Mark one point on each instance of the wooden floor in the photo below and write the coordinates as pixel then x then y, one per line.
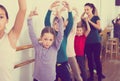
pixel 111 69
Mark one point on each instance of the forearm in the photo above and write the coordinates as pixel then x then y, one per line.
pixel 70 24
pixel 59 37
pixel 22 5
pixel 47 18
pixel 96 25
pixel 31 32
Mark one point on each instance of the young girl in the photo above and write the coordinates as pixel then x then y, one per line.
pixel 46 50
pixel 70 50
pixel 62 59
pixel 79 45
pixel 9 40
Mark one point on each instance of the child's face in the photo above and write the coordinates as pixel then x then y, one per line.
pixel 3 19
pixel 79 31
pixel 47 40
pixel 55 25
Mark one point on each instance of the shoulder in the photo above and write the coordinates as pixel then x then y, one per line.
pixel 96 17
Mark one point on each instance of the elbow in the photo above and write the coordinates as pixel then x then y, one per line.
pixel 23 10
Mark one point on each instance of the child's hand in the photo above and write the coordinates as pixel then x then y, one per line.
pixel 66 5
pixel 33 13
pixel 54 4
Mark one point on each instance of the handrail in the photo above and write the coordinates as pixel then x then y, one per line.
pixel 25 62
pixel 23 48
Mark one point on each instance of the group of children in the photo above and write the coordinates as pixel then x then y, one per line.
pixel 62 46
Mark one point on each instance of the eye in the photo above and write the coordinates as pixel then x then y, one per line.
pixel 1 17
pixel 51 39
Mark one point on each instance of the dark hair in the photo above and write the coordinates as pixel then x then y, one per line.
pixel 48 30
pixel 118 19
pixel 3 8
pixel 82 23
pixel 91 6
pixel 55 19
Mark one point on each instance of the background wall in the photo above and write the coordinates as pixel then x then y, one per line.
pixel 106 9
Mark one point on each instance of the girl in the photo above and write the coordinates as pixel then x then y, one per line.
pixel 62 59
pixel 9 40
pixel 46 50
pixel 70 50
pixel 93 45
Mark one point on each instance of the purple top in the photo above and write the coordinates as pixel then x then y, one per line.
pixel 45 59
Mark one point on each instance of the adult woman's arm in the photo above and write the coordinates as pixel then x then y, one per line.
pixel 15 31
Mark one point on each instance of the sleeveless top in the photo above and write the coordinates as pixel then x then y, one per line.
pixel 6 59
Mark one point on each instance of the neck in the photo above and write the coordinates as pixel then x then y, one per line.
pixel 1 34
pixel 90 16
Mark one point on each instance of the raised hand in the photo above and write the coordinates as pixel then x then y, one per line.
pixel 66 5
pixel 33 13
pixel 54 4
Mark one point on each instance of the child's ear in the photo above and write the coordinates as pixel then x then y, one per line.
pixel 40 41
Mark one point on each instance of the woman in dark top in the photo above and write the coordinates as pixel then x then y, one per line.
pixel 93 45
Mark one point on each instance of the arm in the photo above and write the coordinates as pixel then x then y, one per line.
pixel 88 28
pixel 75 21
pixel 47 19
pixel 70 19
pixel 48 15
pixel 96 25
pixel 15 31
pixel 70 24
pixel 59 36
pixel 32 35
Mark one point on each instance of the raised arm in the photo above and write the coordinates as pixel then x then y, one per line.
pixel 60 33
pixel 32 35
pixel 70 19
pixel 48 15
pixel 88 27
pixel 15 31
pixel 75 20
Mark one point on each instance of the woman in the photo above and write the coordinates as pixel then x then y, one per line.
pixel 9 40
pixel 93 45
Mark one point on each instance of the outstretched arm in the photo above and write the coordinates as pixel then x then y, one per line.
pixel 31 29
pixel 48 15
pixel 70 19
pixel 15 31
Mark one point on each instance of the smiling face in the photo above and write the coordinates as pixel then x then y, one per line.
pixel 88 10
pixel 79 31
pixel 47 40
pixel 3 19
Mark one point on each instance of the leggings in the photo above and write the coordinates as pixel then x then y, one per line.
pixel 93 55
pixel 35 80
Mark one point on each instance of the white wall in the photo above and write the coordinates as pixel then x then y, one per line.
pixel 106 11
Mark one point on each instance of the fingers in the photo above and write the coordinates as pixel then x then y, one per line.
pixel 65 4
pixel 33 13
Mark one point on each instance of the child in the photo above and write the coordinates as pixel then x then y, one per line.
pixel 70 50
pixel 9 40
pixel 62 59
pixel 46 50
pixel 79 45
